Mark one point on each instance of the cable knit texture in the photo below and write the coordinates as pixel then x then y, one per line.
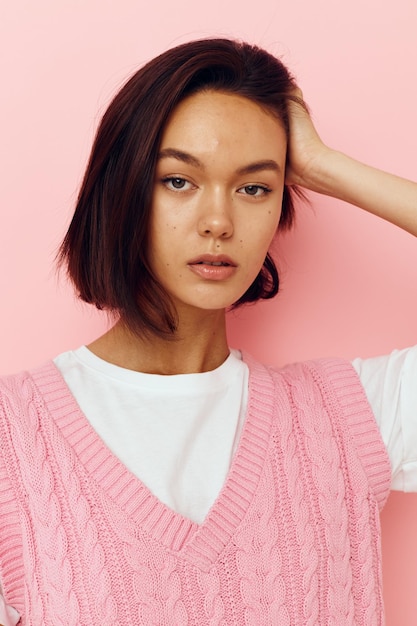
pixel 292 539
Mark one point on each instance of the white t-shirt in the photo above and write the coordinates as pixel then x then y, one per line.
pixel 178 433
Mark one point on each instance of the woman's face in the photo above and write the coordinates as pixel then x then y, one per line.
pixel 217 198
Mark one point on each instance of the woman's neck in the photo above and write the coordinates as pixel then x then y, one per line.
pixel 198 346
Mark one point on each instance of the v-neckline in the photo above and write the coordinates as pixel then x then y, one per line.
pixel 199 543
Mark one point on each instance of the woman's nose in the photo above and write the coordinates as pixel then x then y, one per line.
pixel 216 218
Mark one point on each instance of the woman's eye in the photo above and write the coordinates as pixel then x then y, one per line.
pixel 254 190
pixel 177 183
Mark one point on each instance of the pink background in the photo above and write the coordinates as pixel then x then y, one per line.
pixel 349 280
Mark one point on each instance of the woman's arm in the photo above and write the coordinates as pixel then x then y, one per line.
pixel 315 166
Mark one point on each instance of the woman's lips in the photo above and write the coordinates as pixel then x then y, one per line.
pixel 213 267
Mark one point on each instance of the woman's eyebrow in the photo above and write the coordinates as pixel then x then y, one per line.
pixel 185 157
pixel 258 166
pixel 251 168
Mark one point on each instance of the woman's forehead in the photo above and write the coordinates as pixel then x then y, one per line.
pixel 208 122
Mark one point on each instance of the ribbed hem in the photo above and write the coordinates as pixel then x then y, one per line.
pixel 361 422
pixel 12 573
pixel 243 478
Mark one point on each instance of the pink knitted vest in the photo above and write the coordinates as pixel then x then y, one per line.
pixel 293 538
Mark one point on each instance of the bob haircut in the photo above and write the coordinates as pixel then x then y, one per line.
pixel 106 246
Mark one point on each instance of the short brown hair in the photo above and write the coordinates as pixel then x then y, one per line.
pixel 105 249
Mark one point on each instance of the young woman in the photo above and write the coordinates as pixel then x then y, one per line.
pixel 157 476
